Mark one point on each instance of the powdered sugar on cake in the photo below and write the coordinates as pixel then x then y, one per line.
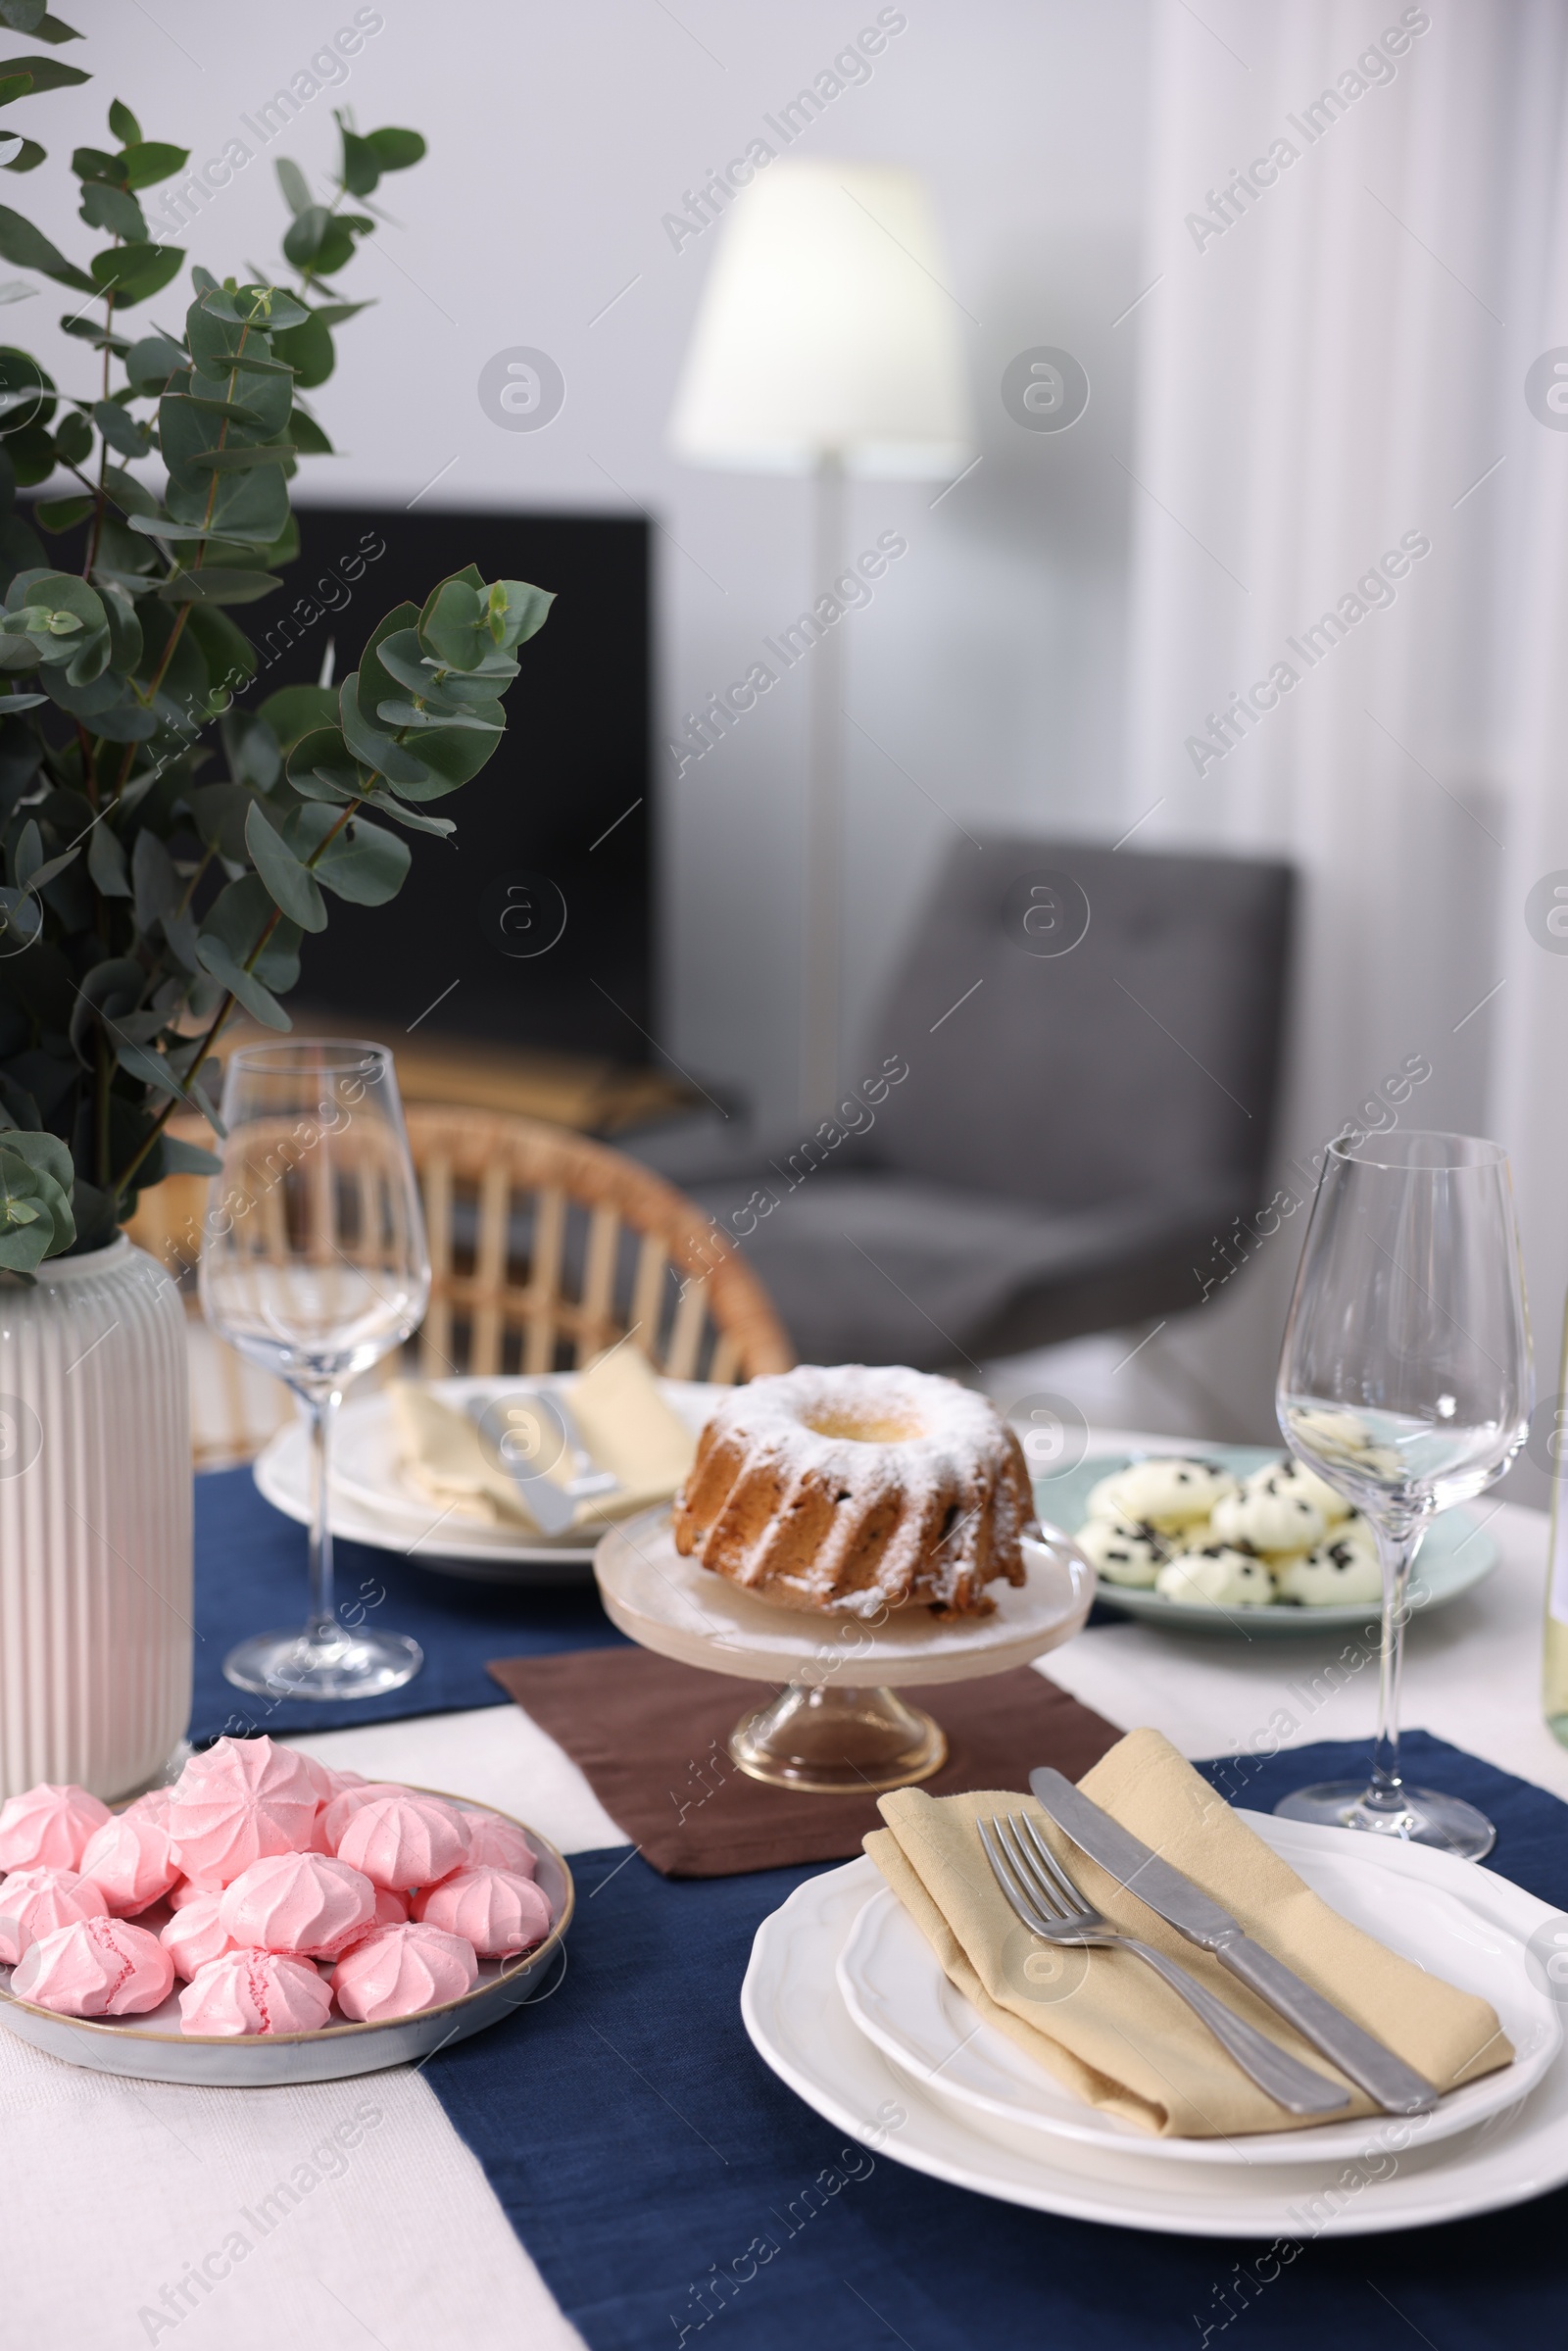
pixel 858 1488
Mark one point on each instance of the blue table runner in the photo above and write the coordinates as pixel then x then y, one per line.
pixel 252 1577
pixel 641 2150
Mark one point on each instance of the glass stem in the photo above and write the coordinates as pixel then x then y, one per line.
pixel 1396 1552
pixel 322 1628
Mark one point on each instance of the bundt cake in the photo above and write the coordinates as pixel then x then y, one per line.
pixel 857 1489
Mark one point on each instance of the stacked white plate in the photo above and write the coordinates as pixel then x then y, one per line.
pixel 844 2000
pixel 370 1500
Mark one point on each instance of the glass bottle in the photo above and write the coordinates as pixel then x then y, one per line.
pixel 1555 1645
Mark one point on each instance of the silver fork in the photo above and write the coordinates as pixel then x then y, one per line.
pixel 1043 1895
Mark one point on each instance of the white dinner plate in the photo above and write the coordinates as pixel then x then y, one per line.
pixel 1455 1554
pixel 796 2017
pixel 153 2049
pixel 370 1502
pixel 897 1994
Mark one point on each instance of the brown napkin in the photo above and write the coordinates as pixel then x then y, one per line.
pixel 1101 2023
pixel 651 1734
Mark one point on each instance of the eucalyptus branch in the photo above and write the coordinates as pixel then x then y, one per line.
pixel 140 926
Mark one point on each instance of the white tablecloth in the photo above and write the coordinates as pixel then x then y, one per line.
pixel 115 2195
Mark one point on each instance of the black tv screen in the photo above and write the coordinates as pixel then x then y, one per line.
pixel 554 832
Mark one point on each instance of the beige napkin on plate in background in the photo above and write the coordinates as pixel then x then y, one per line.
pixel 1101 2023
pixel 622 1417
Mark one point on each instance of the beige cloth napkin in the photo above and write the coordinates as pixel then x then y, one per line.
pixel 622 1417
pixel 1101 2023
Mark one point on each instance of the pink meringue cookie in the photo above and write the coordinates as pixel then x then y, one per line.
pixel 405 1840
pixel 242 1801
pixel 35 1902
pixel 154 1802
pixel 187 1890
pixel 391 1909
pixel 255 1992
pixel 95 1967
pixel 306 1905
pixel 495 1910
pixel 498 1844
pixel 131 1859
pixel 47 1825
pixel 321 1780
pixel 349 1800
pixel 401 1970
pixel 196 1935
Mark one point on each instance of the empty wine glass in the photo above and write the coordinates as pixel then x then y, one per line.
pixel 1404 1381
pixel 314 1264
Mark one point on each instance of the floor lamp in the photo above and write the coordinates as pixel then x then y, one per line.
pixel 826 344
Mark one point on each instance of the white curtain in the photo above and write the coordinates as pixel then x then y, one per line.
pixel 1530 1090
pixel 1338 477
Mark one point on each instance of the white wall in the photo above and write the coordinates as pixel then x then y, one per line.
pixel 989 665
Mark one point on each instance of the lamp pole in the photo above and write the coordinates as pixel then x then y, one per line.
pixel 821 930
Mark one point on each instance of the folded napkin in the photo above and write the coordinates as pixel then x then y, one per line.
pixel 621 1417
pixel 1101 2023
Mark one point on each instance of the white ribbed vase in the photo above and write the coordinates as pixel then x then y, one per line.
pixel 95 1522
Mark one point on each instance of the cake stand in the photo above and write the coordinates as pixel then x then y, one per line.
pixel 836 1726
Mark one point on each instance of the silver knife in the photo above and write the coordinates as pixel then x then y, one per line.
pixel 1397 2088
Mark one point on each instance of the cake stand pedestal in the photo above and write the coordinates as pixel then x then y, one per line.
pixel 836 1725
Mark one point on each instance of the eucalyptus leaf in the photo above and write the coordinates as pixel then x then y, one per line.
pixel 396 150
pixel 414 818
pixel 218 585
pixel 235 459
pixel 290 885
pixel 155 879
pixel 363 863
pixel 106 862
pixel 405 713
pixel 294 184
pixel 370 745
pixel 113 209
pixel 258 999
pixel 293 711
pixel 189 1159
pixel 121 430
pixel 132 273
pixel 148 160
pixel 61 514
pixel 309 438
pixel 151 362
pixel 308 349
pixel 29 249
pixel 44 72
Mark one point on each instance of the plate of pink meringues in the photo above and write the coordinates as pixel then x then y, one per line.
pixel 266 1920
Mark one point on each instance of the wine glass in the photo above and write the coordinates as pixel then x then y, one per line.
pixel 1404 1382
pixel 314 1264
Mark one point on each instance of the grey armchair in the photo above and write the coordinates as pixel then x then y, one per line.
pixel 1039 1143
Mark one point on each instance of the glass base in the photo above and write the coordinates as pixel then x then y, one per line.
pixel 1421 1817
pixel 831 1741
pixel 333 1664
pixel 1557 1725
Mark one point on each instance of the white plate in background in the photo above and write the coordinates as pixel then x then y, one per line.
pixel 370 1502
pixel 1456 1554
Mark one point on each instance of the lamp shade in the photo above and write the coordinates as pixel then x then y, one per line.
pixel 824 333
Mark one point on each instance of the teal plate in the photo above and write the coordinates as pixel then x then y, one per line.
pixel 1455 1554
